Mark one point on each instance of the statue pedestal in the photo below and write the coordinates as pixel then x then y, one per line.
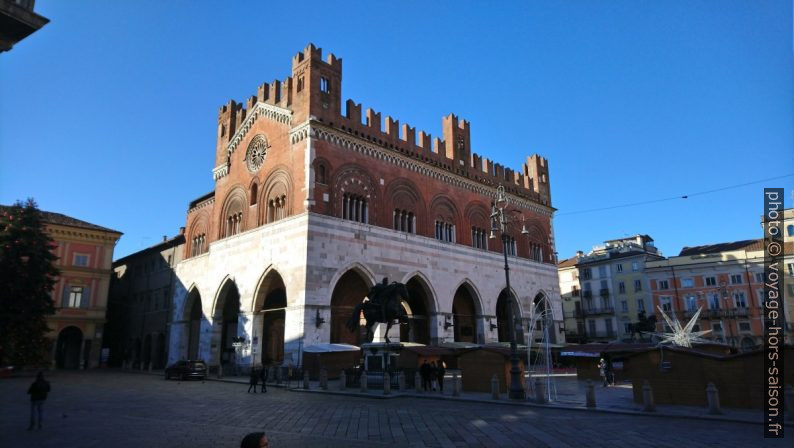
pixel 380 357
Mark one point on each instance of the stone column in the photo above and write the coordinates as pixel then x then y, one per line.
pixel 647 397
pixel 494 387
pixel 713 398
pixel 590 395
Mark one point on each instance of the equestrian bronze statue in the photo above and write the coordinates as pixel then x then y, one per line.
pixel 382 305
pixel 645 325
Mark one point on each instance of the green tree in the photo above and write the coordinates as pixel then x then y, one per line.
pixel 27 276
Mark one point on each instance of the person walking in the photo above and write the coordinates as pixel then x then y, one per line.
pixel 38 394
pixel 602 370
pixel 424 372
pixel 433 374
pixel 440 375
pixel 253 379
pixel 263 378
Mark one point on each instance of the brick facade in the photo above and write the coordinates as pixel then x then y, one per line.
pixel 311 207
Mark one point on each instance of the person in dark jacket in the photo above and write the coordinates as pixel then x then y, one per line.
pixel 263 378
pixel 441 371
pixel 424 372
pixel 255 440
pixel 38 393
pixel 253 379
pixel 433 374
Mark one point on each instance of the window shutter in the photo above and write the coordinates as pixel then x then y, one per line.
pixel 65 298
pixel 85 300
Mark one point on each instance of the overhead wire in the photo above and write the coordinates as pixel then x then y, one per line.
pixel 672 198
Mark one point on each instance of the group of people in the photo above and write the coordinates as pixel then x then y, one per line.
pixel 432 375
pixel 257 375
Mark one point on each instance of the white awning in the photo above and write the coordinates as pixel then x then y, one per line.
pixel 329 348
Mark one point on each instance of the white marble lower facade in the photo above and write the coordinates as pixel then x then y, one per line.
pixel 305 256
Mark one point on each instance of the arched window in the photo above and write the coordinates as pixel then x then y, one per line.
pixel 254 193
pixel 276 208
pixel 198 245
pixel 233 216
pixel 404 221
pixel 355 208
pixel 321 174
pixel 445 231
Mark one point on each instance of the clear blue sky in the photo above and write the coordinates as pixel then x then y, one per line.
pixel 109 112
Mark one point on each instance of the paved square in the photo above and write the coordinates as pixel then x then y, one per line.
pixel 112 408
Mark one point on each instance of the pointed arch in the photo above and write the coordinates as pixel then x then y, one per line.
pixel 277 196
pixel 407 207
pixel 503 316
pixel 269 308
pixel 421 308
pixel 348 291
pixel 233 213
pixel 467 314
pixel 355 195
pixel 360 268
pixel 225 318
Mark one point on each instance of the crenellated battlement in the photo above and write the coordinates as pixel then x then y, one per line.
pixel 314 92
pixel 315 54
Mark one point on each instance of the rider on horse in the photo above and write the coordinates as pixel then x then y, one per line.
pixel 376 296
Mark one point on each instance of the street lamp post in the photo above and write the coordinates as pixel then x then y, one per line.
pixel 499 222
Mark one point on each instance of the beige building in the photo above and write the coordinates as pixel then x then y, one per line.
pixel 605 290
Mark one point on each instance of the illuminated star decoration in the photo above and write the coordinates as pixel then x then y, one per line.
pixel 682 336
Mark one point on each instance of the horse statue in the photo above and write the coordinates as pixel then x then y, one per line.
pixel 645 325
pixel 382 305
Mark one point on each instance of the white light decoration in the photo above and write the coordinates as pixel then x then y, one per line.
pixel 682 336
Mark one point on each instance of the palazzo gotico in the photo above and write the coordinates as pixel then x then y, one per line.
pixel 313 205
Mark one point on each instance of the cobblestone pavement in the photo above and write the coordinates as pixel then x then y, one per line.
pixel 119 409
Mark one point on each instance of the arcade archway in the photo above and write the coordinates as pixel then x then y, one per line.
pixel 503 318
pixel 419 308
pixel 349 291
pixel 225 318
pixel 194 324
pixel 67 355
pixel 465 309
pixel 271 304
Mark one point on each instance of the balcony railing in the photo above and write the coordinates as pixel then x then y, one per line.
pixel 601 334
pixel 601 310
pixel 573 314
pixel 587 294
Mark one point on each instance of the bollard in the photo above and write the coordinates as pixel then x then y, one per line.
pixel 713 398
pixel 647 397
pixel 342 380
pixel 590 395
pixel 540 391
pixel 386 383
pixel 364 383
pixel 494 387
pixel 455 384
pixel 401 381
pixel 306 379
pixel 789 397
pixel 418 382
pixel 220 371
pixel 323 379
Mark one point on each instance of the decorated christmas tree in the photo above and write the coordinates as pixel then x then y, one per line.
pixel 27 276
